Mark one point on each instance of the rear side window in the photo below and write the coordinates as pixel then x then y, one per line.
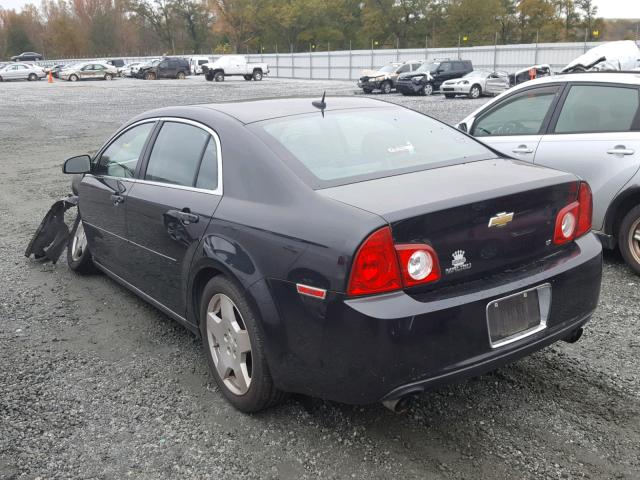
pixel 522 114
pixel 404 68
pixel 208 173
pixel 598 108
pixel 176 154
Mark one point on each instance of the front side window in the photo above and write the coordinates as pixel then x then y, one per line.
pixel 176 154
pixel 347 146
pixel 121 157
pixel 598 108
pixel 403 68
pixel 522 114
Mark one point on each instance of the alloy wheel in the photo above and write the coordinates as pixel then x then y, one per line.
pixel 79 243
pixel 634 240
pixel 475 92
pixel 428 89
pixel 229 343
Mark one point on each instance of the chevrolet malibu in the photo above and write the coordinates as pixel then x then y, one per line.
pixel 348 249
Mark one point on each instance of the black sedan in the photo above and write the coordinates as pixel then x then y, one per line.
pixel 348 249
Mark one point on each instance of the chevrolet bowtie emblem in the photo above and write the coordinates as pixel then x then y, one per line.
pixel 501 219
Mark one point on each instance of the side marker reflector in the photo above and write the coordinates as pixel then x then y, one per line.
pixel 311 291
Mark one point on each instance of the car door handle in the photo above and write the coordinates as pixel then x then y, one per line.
pixel 185 216
pixel 522 149
pixel 621 150
pixel 117 199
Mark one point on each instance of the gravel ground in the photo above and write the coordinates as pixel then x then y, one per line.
pixel 97 384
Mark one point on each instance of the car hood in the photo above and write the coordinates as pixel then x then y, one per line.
pixel 621 55
pixel 375 73
pixel 409 75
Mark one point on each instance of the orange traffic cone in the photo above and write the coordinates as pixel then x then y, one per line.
pixel 50 79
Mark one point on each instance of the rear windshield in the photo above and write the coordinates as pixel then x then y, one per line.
pixel 347 146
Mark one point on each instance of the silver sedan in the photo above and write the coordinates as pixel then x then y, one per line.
pixel 21 71
pixel 476 84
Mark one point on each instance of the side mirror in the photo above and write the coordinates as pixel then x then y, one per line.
pixel 463 127
pixel 79 164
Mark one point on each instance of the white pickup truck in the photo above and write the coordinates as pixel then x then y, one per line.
pixel 234 65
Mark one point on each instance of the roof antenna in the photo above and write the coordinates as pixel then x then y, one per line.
pixel 321 104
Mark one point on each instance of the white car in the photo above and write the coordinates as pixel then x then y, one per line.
pixel 476 84
pixel 21 71
pixel 127 70
pixel 622 55
pixel 584 123
pixel 229 65
pixel 195 64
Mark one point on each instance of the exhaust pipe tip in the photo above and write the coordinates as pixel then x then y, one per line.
pixel 574 336
pixel 400 404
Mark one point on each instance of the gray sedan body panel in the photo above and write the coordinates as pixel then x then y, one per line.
pixel 608 160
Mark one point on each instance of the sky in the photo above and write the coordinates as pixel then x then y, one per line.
pixel 606 8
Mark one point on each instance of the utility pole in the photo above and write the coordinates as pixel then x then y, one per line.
pixel 458 46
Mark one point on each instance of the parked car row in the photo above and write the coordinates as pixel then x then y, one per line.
pixel 451 77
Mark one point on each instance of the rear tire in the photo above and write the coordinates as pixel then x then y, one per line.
pixel 225 337
pixel 629 239
pixel 78 255
pixel 108 76
pixel 247 77
pixel 218 76
pixel 257 75
pixel 181 76
pixel 385 88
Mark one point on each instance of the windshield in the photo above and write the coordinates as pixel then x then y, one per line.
pixel 346 146
pixel 478 73
pixel 429 67
pixel 387 68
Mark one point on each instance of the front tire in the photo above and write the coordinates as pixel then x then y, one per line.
pixel 149 76
pixel 32 77
pixel 78 254
pixel 629 239
pixel 208 77
pixel 427 90
pixel 234 348
pixel 386 87
pixel 73 78
pixel 475 92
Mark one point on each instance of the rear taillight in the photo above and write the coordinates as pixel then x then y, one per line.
pixel 418 263
pixel 380 266
pixel 574 220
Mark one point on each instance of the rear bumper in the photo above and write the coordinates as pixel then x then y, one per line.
pixel 378 348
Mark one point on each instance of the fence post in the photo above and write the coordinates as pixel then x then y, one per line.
pixel 585 41
pixel 495 52
pixel 277 62
pixel 329 60
pixel 397 49
pixel 293 70
pixel 426 47
pixel 310 64
pixel 350 60
pixel 535 58
pixel 458 46
pixel 372 66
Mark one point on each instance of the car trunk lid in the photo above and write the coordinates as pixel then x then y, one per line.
pixel 480 217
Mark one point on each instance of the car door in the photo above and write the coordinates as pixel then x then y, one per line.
pixel 596 135
pixel 103 193
pixel 162 68
pixel 12 72
pixel 515 124
pixel 99 71
pixel 86 72
pixel 170 208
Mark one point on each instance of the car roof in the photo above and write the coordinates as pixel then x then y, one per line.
pixel 629 78
pixel 250 111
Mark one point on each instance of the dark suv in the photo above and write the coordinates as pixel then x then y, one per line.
pixel 168 67
pixel 430 76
